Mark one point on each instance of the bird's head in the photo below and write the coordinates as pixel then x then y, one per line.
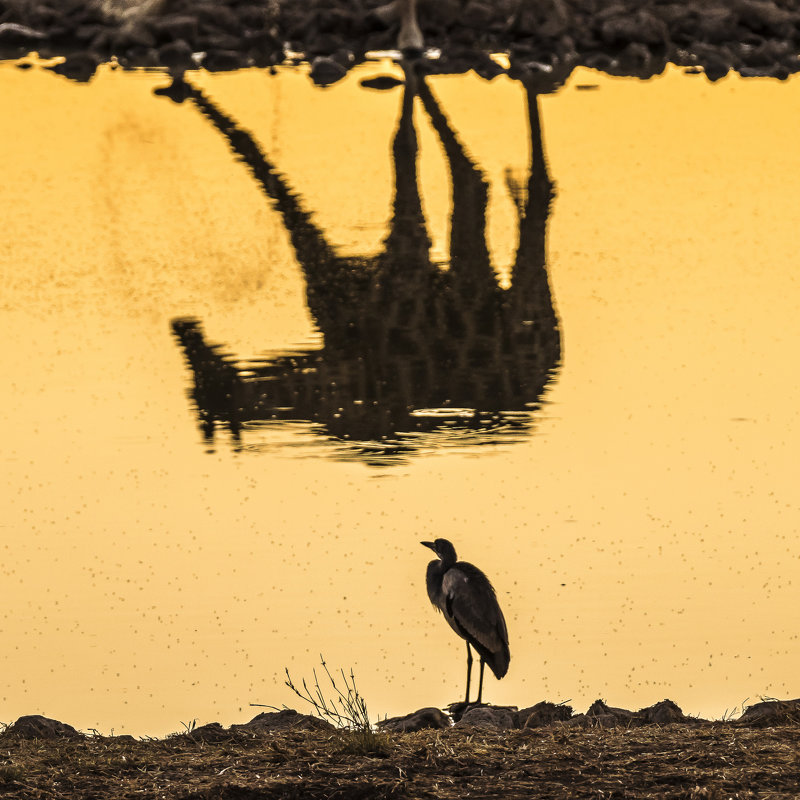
pixel 444 549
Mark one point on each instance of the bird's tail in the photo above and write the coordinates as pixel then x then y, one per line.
pixel 498 661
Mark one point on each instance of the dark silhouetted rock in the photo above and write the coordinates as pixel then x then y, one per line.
pixel 543 713
pixel 39 727
pixel 326 70
pixel 599 708
pixel 78 67
pixel 771 713
pixel 212 732
pixel 416 721
pixel 489 717
pixel 287 719
pixel 663 713
pixel 223 60
pixel 716 61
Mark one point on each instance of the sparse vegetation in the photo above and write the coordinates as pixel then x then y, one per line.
pixel 346 709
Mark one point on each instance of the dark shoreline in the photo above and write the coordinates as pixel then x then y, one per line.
pixel 620 37
pixel 714 761
pixel 607 752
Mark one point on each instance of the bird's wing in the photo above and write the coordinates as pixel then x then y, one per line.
pixel 471 604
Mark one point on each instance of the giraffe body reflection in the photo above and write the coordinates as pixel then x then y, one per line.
pixel 409 348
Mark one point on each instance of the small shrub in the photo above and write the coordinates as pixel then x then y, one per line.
pixel 347 710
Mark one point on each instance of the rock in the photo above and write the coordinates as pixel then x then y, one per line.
pixel 212 732
pixel 599 708
pixel 771 713
pixel 489 717
pixel 416 721
pixel 664 713
pixel 716 61
pixel 223 60
pixel 35 726
pixel 287 719
pixel 543 713
pixel 325 71
pixel 78 67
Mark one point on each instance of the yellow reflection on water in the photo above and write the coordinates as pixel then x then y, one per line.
pixel 642 540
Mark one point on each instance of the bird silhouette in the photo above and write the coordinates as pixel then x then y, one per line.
pixel 469 604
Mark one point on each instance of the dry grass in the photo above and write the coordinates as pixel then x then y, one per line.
pixel 710 761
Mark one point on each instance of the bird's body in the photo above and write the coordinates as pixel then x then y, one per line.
pixel 467 599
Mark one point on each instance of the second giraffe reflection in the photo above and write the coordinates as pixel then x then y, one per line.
pixel 414 356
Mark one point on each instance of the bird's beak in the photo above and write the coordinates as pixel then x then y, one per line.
pixel 430 544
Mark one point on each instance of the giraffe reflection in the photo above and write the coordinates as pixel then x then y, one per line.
pixel 414 356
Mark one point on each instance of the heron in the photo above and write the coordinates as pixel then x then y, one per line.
pixel 469 604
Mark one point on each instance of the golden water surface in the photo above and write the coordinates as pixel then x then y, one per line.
pixel 640 522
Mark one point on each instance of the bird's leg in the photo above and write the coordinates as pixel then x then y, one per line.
pixel 409 38
pixel 469 672
pixel 480 684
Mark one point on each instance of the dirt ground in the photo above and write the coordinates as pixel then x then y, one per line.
pixel 712 761
pixel 623 37
pixel 544 751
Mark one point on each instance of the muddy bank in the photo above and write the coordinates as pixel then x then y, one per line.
pixel 622 37
pixel 291 755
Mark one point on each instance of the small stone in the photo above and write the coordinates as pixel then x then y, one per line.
pixel 325 71
pixel 416 721
pixel 543 713
pixel 212 732
pixel 78 67
pixel 664 713
pixel 223 60
pixel 287 719
pixel 488 717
